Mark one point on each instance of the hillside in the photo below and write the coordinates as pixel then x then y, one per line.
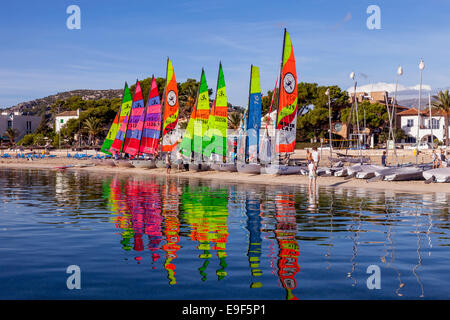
pixel 42 105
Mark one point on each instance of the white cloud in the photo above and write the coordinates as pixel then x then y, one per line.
pixel 389 87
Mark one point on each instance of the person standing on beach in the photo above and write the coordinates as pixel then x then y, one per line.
pixel 168 163
pixel 435 160
pixel 383 159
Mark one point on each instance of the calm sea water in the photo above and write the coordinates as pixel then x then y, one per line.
pixel 157 238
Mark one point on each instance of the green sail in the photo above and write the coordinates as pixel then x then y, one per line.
pixel 216 136
pixel 120 116
pixel 197 125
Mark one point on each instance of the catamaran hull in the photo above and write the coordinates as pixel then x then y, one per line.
pixel 230 167
pixel 123 163
pixel 252 168
pixel 440 175
pixel 145 164
pixel 280 169
pixel 198 167
pixel 341 173
pixel 160 164
pixel 400 174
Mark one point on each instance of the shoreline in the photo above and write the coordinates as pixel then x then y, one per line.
pixel 413 187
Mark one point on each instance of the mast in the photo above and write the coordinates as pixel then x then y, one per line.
pixel 163 106
pixel 279 93
pixel 246 116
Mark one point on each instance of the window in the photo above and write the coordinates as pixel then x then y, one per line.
pixel 410 123
pixel 435 123
pixel 28 127
pixel 9 124
pixel 62 121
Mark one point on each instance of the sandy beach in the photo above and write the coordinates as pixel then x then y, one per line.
pixel 234 177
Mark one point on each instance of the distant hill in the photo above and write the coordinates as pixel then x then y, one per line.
pixel 42 106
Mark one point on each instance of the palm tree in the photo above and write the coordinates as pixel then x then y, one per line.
pixel 93 128
pixel 11 134
pixel 442 102
pixel 234 119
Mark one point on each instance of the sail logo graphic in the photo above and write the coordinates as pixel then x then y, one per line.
pixel 374 20
pixel 289 83
pixel 74 20
pixel 171 98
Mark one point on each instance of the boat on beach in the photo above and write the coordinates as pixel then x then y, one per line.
pixel 229 167
pixel 248 141
pixel 440 175
pixel 286 115
pixel 144 164
pixel 123 163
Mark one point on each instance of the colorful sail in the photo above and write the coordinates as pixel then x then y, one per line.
pixel 120 118
pixel 152 122
pixel 198 123
pixel 253 116
pixel 170 110
pixel 287 100
pixel 135 123
pixel 218 120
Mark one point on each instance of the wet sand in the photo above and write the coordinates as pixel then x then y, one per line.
pixel 240 178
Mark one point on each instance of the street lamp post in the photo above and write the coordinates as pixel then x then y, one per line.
pixel 327 93
pixel 421 67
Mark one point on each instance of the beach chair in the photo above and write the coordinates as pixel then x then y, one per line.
pixel 108 156
pixel 69 156
pixel 52 156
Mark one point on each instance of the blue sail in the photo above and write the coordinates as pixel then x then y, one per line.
pixel 254 116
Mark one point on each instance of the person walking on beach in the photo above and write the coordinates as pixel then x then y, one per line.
pixel 168 163
pixel 442 161
pixel 312 168
pixel 308 156
pixel 179 160
pixel 383 159
pixel 435 160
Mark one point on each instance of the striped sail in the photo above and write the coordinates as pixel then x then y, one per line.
pixel 152 122
pixel 218 120
pixel 286 123
pixel 171 107
pixel 117 144
pixel 198 123
pixel 134 128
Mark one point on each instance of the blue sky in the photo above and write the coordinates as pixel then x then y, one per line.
pixel 124 40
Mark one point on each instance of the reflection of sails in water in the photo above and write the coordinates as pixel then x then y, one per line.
pixel 285 232
pixel 144 203
pixel 170 194
pixel 207 212
pixel 252 208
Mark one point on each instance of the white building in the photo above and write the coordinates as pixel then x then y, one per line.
pixel 61 119
pixel 23 124
pixel 410 123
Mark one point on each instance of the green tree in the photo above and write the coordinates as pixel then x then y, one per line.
pixel 442 102
pixel 93 128
pixel 11 134
pixel 234 120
